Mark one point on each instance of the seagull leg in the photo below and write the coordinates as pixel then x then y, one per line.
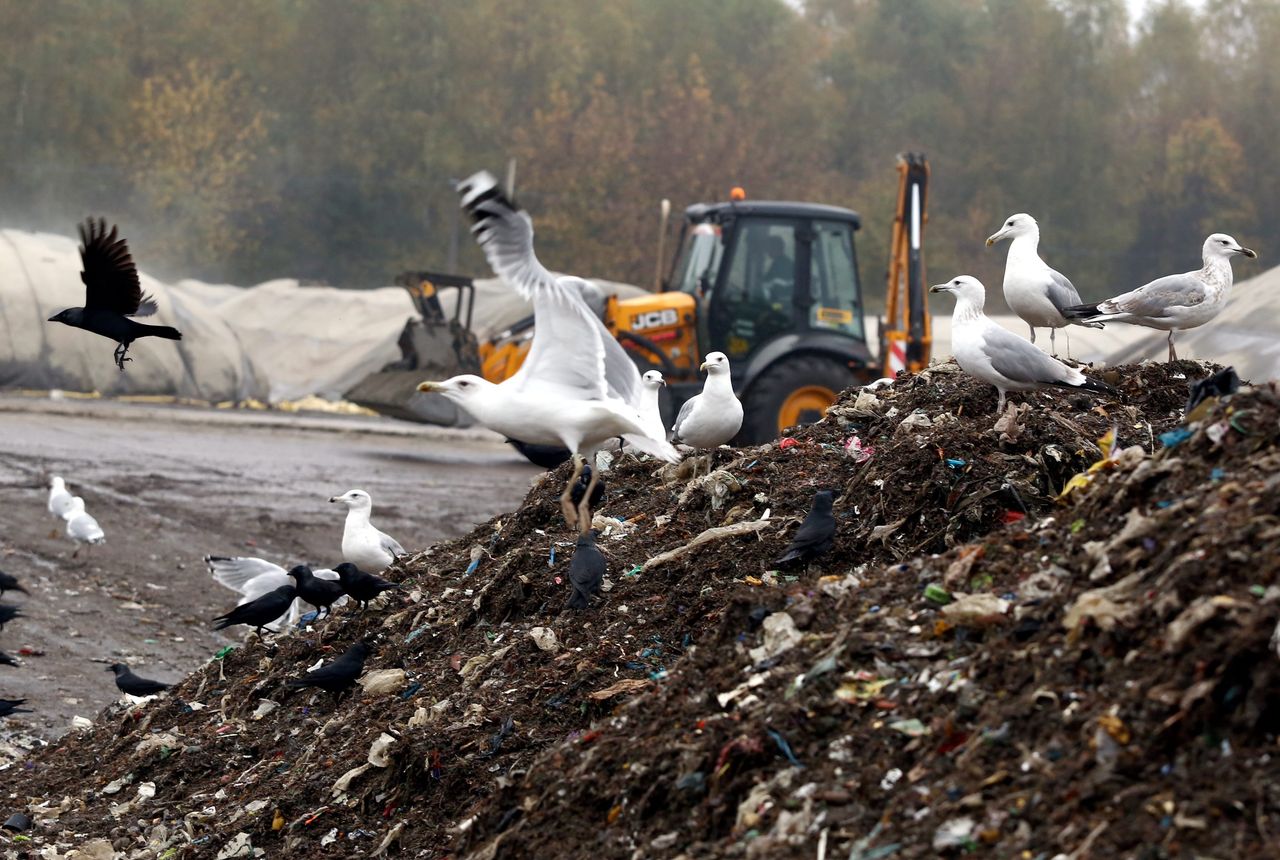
pixel 1053 341
pixel 566 503
pixel 584 507
pixel 1173 353
pixel 1033 332
pixel 1000 403
pixel 1066 332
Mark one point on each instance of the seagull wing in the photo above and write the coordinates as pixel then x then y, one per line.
pixel 686 409
pixel 1022 361
pixel 237 572
pixel 110 277
pixel 1061 292
pixel 1153 300
pixel 390 544
pixel 572 353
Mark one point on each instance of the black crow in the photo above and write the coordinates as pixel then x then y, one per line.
pixel 6 660
pixel 132 684
pixel 260 612
pixel 546 456
pixel 586 571
pixel 320 592
pixel 360 585
pixel 579 488
pixel 816 534
pixel 340 674
pixel 8 707
pixel 8 612
pixel 10 583
pixel 112 293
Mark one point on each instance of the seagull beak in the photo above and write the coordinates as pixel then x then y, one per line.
pixel 1247 253
pixel 335 498
pixel 702 366
pixel 662 382
pixel 995 237
pixel 945 288
pixel 430 386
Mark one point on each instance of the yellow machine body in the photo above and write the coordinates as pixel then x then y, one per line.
pixel 668 321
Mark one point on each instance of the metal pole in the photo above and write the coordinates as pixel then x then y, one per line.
pixel 662 240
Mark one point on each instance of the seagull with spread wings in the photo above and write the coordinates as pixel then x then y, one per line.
pixel 112 293
pixel 577 388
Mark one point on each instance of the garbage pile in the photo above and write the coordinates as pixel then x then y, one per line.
pixel 1047 633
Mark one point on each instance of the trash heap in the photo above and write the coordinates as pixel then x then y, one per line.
pixel 1051 634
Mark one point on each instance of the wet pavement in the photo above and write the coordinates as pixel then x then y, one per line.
pixel 171 484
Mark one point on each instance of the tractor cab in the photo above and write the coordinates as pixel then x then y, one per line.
pixel 775 287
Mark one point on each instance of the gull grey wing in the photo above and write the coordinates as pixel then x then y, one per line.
pixel 390 544
pixel 236 572
pixel 685 409
pixel 1020 360
pixel 261 585
pixel 1153 300
pixel 1062 293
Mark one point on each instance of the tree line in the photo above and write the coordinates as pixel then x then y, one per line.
pixel 250 139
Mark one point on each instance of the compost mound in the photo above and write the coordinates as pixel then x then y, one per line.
pixel 1048 632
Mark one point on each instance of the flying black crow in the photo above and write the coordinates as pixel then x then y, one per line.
pixel 132 684
pixel 9 707
pixel 6 660
pixel 816 534
pixel 340 674
pixel 586 571
pixel 311 588
pixel 10 583
pixel 8 612
pixel 361 586
pixel 260 612
pixel 112 293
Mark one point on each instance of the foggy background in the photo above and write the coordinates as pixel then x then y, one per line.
pixel 248 139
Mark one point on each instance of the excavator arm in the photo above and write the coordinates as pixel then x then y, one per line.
pixel 906 336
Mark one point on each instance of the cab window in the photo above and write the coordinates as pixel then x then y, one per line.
pixel 695 273
pixel 833 280
pixel 755 300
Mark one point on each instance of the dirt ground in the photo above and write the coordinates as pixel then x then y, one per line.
pixel 170 485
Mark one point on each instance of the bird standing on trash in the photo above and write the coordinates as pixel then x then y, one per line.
pixel 816 534
pixel 340 674
pixel 714 417
pixel 1032 290
pixel 81 527
pixel 323 593
pixel 59 499
pixel 129 683
pixel 361 586
pixel 112 293
pixel 9 707
pixel 999 357
pixel 586 571
pixel 260 612
pixel 1175 302
pixel 362 544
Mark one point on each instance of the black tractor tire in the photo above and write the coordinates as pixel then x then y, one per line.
pixel 769 393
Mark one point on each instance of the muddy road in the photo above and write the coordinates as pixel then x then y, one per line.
pixel 169 485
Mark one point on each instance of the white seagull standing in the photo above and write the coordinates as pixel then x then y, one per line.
pixel 652 384
pixel 81 527
pixel 712 418
pixel 992 354
pixel 1032 290
pixel 1174 302
pixel 59 499
pixel 577 388
pixel 252 577
pixel 362 544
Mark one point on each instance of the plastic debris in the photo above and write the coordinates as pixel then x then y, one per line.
pixel 1174 438
pixel 976 610
pixel 545 638
pixel 382 681
pixel 380 750
pixel 857 451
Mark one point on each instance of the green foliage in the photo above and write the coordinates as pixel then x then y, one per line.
pixel 249 139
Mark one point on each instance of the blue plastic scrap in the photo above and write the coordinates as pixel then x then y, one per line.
pixel 1174 437
pixel 784 747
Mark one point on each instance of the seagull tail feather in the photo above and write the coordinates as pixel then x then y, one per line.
pixel 654 448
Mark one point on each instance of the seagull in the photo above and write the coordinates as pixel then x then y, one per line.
pixel 651 385
pixel 816 534
pixel 81 527
pixel 112 293
pixel 362 544
pixel 132 685
pixel 340 674
pixel 992 354
pixel 1032 290
pixel 577 388
pixel 362 586
pixel 260 612
pixel 252 578
pixel 712 418
pixel 59 498
pixel 586 571
pixel 1174 302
